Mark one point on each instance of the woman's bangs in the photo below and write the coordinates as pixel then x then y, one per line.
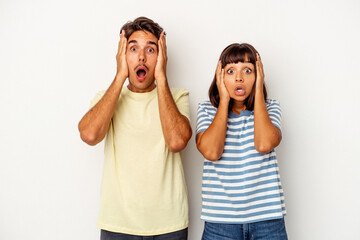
pixel 238 54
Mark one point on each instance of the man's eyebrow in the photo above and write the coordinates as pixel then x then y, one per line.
pixel 151 42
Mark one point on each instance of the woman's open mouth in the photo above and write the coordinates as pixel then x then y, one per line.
pixel 239 91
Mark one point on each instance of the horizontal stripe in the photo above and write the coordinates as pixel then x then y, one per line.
pixel 244 205
pixel 217 183
pixel 247 201
pixel 237 134
pixel 244 197
pixel 237 220
pixel 240 171
pixel 240 192
pixel 242 185
pixel 262 189
pixel 223 169
pixel 234 179
pixel 239 163
pixel 243 211
pixel 247 214
pixel 232 141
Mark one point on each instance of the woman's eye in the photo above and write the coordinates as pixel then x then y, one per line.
pixel 230 71
pixel 132 48
pixel 248 70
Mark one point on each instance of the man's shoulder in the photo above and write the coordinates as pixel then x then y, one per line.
pixel 179 92
pixel 97 98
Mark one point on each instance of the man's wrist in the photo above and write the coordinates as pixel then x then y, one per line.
pixel 161 81
pixel 120 77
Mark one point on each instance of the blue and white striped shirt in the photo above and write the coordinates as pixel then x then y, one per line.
pixel 243 186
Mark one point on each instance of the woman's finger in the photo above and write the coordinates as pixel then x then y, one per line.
pixel 222 76
pixel 218 71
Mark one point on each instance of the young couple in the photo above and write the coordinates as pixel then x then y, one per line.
pixel 146 124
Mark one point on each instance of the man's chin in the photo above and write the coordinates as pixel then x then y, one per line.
pixel 141 87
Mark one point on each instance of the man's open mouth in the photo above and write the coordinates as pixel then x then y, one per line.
pixel 141 72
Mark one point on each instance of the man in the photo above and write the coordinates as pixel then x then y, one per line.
pixel 146 124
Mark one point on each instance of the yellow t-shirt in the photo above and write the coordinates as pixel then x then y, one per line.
pixel 143 188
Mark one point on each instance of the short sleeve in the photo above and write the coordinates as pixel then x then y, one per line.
pixel 97 98
pixel 204 117
pixel 274 111
pixel 181 99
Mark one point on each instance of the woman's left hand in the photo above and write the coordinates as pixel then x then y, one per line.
pixel 259 74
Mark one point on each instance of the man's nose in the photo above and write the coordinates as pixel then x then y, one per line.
pixel 142 57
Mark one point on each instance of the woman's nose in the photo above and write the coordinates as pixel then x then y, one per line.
pixel 239 77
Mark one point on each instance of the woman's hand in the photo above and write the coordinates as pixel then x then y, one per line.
pixel 259 75
pixel 223 92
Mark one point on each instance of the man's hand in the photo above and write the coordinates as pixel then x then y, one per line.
pixel 122 67
pixel 160 69
pixel 176 127
pixel 95 124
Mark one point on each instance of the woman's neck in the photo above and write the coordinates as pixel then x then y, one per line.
pixel 238 107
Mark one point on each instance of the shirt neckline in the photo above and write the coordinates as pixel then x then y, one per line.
pixel 242 113
pixel 139 96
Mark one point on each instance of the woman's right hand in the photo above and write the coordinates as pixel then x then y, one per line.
pixel 223 92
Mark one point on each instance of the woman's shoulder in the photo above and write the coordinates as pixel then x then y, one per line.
pixel 273 106
pixel 272 102
pixel 206 105
pixel 206 108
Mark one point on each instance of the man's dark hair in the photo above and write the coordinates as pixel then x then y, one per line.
pixel 235 53
pixel 142 24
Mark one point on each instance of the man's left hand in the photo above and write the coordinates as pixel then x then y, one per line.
pixel 160 69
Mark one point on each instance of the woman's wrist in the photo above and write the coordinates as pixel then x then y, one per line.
pixel 224 104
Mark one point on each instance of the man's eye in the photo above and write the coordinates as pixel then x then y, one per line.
pixel 248 70
pixel 151 50
pixel 230 71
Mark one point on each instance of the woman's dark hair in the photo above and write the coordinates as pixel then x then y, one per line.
pixel 235 53
pixel 143 24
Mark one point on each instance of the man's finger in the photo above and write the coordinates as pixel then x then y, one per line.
pixel 164 44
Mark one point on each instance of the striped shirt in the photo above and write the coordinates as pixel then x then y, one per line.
pixel 243 186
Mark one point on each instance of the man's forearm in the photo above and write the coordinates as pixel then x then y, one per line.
pixel 176 127
pixel 95 124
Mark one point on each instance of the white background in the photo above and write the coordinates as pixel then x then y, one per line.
pixel 56 55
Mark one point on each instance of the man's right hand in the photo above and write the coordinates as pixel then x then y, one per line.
pixel 122 67
pixel 96 122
